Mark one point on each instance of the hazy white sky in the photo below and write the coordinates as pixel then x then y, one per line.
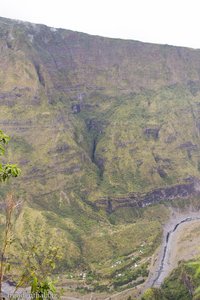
pixel 175 22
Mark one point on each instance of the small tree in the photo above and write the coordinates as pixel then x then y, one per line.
pixel 6 171
pixel 39 256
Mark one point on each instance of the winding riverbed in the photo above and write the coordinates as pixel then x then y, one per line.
pixel 164 262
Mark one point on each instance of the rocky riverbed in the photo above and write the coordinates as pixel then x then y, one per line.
pixel 180 242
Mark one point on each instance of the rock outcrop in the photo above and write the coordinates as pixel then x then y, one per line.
pixel 179 191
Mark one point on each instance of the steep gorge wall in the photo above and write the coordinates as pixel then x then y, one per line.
pixel 77 62
pixel 97 117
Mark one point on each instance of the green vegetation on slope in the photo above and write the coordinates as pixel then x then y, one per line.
pixel 183 283
pixel 92 117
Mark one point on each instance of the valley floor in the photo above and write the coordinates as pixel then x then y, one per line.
pixel 183 244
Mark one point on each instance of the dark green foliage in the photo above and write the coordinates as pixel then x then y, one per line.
pixel 6 170
pixel 182 284
pixel 130 275
pixel 42 290
pixel 153 294
pixel 177 286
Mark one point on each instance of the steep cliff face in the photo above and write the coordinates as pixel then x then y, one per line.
pixel 121 116
pixel 95 118
pixel 73 63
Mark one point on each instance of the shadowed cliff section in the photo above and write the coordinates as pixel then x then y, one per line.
pixel 180 191
pixel 80 63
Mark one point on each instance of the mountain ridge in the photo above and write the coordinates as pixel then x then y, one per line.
pixel 54 28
